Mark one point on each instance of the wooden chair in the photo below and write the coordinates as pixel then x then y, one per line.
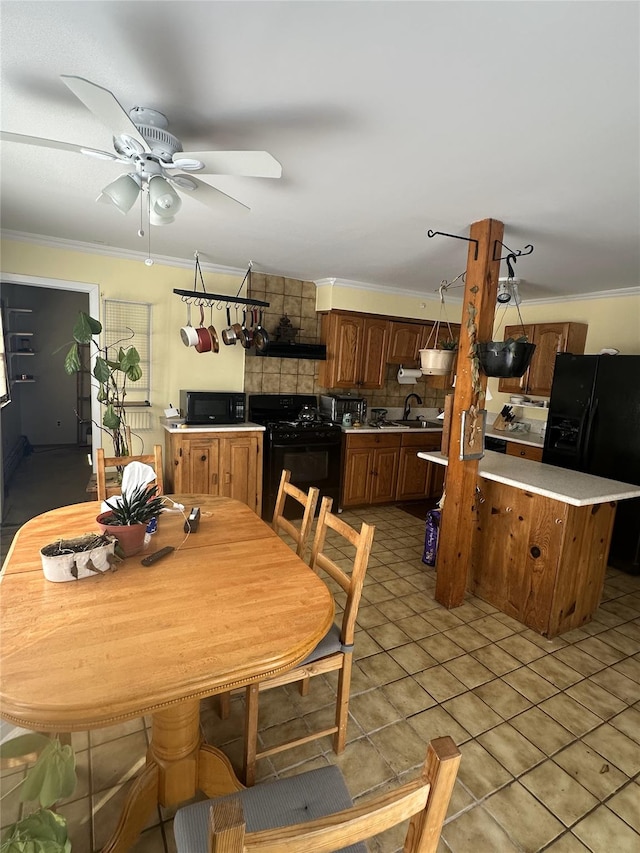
pixel 103 462
pixel 333 652
pixel 308 501
pixel 313 812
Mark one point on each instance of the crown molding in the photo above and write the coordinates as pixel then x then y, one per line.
pixel 110 251
pixel 181 263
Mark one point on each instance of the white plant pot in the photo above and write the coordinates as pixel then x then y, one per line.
pixel 73 565
pixel 437 362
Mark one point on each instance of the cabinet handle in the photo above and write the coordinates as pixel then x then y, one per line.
pixel 523 453
pixel 203 458
pixel 214 479
pixel 227 478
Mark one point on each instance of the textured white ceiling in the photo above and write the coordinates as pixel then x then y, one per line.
pixel 389 118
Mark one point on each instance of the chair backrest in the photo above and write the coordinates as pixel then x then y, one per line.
pixel 307 500
pixel 351 583
pixel 103 462
pixel 424 801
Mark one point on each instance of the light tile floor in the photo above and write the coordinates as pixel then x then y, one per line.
pixel 549 730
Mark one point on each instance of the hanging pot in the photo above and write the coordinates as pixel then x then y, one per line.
pixel 437 362
pixel 188 334
pixel 215 344
pixel 261 337
pixel 229 335
pixel 204 338
pixel 505 359
pixel 244 332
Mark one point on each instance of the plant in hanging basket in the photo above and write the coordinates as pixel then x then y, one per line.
pixel 505 359
pixel 437 362
pixel 449 345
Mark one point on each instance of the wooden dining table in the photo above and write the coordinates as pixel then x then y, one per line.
pixel 233 604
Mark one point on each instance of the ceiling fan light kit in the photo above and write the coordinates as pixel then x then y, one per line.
pixel 142 142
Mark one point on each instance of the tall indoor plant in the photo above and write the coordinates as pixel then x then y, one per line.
pixel 114 366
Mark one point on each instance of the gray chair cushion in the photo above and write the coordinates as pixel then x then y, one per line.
pixel 296 799
pixel 328 645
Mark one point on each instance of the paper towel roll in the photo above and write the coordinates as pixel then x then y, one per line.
pixel 408 377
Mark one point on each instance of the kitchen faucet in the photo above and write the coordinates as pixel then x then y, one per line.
pixel 407 405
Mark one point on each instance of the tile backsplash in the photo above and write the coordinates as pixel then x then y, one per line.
pixel 266 375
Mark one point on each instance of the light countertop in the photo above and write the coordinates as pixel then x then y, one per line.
pixel 372 429
pixel 560 484
pixel 532 439
pixel 180 426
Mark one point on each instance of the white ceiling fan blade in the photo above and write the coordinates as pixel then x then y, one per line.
pixel 251 164
pixel 103 105
pixel 53 143
pixel 205 193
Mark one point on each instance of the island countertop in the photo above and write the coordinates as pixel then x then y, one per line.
pixel 560 484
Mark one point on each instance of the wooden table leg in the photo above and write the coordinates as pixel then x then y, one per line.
pixel 178 764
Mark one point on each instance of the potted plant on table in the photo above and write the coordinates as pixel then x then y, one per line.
pixel 127 518
pixel 114 366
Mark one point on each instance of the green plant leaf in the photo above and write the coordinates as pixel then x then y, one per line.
pixel 52 776
pixel 40 832
pixel 111 419
pixel 134 372
pixel 85 328
pixel 72 360
pixel 101 370
pixel 24 745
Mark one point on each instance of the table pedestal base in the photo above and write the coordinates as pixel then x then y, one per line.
pixel 178 765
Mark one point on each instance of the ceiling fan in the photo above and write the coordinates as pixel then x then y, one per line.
pixel 154 157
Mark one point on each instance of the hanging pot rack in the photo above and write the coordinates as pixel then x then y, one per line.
pixel 219 300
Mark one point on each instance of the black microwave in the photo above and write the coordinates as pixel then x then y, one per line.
pixel 212 407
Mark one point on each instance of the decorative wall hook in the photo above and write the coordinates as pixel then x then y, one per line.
pixel 431 233
pixel 520 253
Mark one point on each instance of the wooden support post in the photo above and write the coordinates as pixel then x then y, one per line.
pixel 458 515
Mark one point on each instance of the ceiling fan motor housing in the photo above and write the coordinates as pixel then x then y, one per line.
pixel 162 143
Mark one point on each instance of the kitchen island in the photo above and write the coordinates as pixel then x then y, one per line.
pixel 541 541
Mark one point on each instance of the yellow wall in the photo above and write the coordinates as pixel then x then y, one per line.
pixel 613 322
pixel 174 366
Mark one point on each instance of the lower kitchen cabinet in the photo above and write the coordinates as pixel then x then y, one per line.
pixel 385 468
pixel 524 451
pixel 370 468
pixel 216 463
pixel 418 478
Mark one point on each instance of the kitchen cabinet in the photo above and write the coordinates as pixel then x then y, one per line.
pixel 356 350
pixel 418 478
pixel 370 468
pixel 550 339
pixel 406 339
pixel 223 463
pixel 524 451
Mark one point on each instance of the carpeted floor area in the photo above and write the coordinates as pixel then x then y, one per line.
pixel 48 477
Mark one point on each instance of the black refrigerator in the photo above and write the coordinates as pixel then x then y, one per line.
pixel 594 426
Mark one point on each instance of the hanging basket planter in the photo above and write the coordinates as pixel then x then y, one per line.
pixel 437 362
pixel 505 359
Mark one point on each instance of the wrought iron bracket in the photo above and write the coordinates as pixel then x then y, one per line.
pixel 431 233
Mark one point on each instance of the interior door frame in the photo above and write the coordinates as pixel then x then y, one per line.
pixel 93 292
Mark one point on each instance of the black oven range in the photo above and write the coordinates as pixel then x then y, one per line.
pixel 298 439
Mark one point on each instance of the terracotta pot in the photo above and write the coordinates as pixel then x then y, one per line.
pixel 129 536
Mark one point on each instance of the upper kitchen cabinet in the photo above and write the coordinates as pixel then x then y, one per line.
pixel 357 347
pixel 405 340
pixel 550 339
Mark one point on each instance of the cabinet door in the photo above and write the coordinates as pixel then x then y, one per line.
pixel 435 485
pixel 373 356
pixel 384 475
pixel 518 384
pixel 413 476
pixel 550 339
pixel 404 342
pixel 239 469
pixel 345 342
pixel 197 469
pixel 357 476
